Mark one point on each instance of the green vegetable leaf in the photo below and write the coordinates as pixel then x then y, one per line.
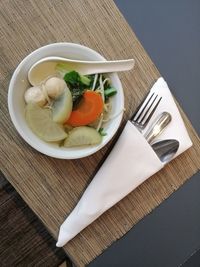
pixel 72 77
pixel 102 132
pixel 77 84
pixel 107 84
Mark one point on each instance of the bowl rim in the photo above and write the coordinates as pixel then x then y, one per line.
pixel 12 112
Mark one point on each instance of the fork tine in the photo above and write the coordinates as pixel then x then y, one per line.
pixel 140 109
pixel 152 112
pixel 147 110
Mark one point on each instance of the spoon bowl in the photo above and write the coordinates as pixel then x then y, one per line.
pixel 47 66
pixel 166 149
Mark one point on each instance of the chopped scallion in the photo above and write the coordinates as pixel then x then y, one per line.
pixel 110 91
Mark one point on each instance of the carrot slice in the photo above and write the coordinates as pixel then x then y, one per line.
pixel 88 110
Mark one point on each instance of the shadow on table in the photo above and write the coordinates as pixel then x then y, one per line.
pixel 24 239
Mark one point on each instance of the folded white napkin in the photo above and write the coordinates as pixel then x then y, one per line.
pixel 130 163
pixel 176 129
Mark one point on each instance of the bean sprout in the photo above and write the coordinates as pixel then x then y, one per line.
pixel 100 122
pixel 102 88
pixel 95 81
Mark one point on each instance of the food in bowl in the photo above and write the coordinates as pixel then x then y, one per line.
pixel 20 83
pixel 70 109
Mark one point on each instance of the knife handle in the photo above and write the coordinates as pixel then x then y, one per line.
pixel 158 126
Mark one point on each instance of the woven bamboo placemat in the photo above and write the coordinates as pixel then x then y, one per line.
pixel 52 187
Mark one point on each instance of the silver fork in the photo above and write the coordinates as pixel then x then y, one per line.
pixel 145 111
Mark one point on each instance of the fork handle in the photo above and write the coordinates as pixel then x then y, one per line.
pixel 157 127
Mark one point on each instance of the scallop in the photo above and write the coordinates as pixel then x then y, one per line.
pixel 55 87
pixel 35 95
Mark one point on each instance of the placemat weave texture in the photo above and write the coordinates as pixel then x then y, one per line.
pixel 52 187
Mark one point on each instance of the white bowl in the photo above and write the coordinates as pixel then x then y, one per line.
pixel 19 83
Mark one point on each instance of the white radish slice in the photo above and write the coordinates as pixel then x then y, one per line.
pixel 81 136
pixel 62 106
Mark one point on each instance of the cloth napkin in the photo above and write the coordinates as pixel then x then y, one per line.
pixel 130 163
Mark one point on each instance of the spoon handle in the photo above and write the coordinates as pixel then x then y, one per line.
pixel 92 67
pixel 158 126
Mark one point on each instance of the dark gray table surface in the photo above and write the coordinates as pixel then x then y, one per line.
pixel 170 235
